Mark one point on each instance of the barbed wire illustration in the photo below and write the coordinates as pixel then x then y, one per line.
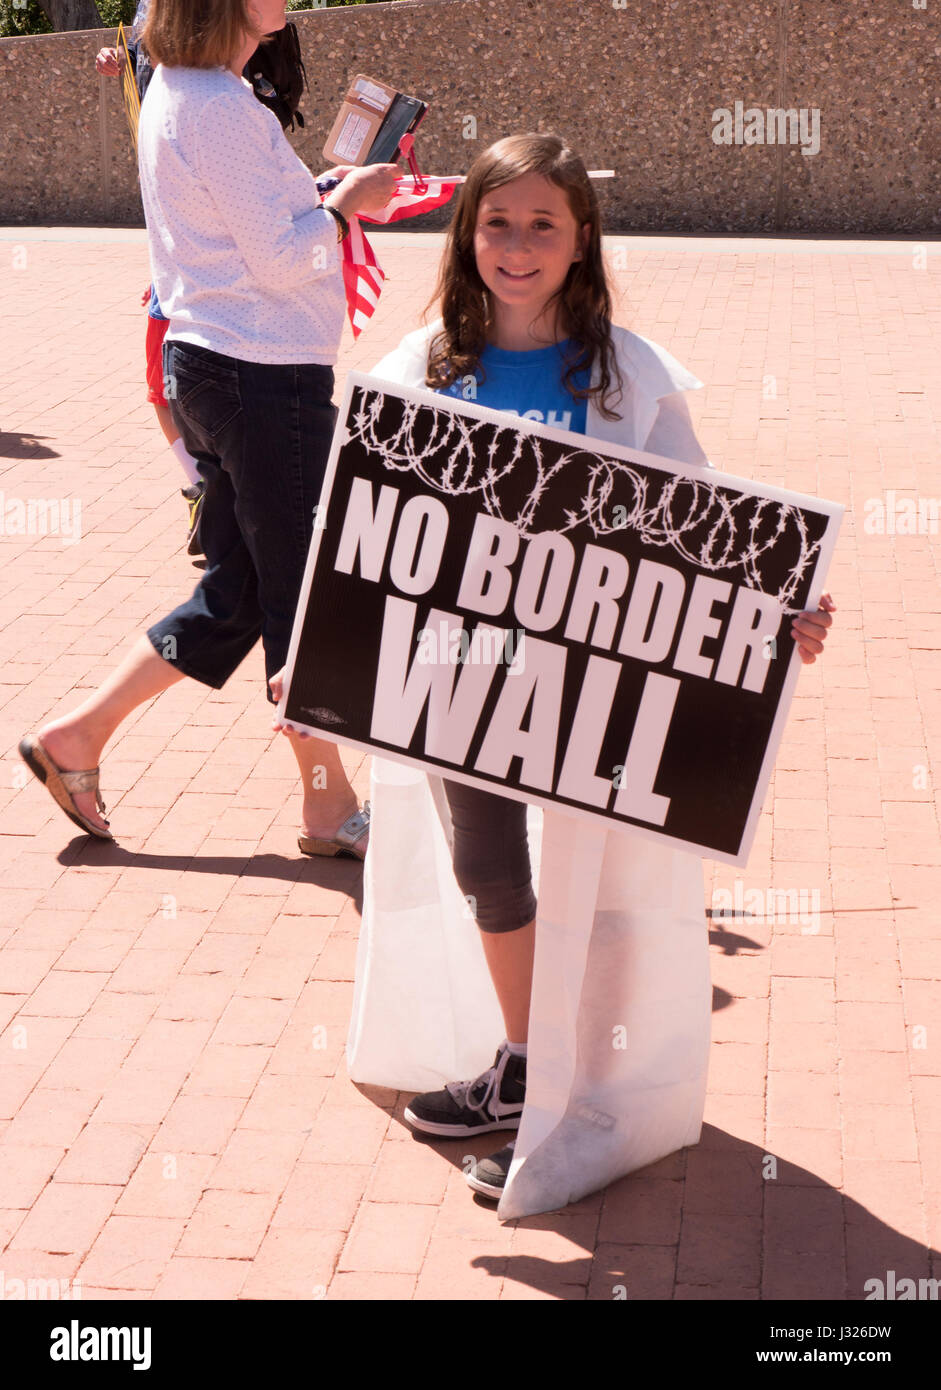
pixel 518 478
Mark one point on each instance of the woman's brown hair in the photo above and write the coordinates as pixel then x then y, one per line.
pixel 196 33
pixel 584 300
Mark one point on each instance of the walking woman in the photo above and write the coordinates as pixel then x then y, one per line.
pixel 247 265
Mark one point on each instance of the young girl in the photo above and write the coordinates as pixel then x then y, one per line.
pixel 526 327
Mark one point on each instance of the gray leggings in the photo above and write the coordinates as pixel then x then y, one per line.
pixel 491 857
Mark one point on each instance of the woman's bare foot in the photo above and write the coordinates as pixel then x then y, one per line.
pixel 322 821
pixel 72 750
pixel 325 807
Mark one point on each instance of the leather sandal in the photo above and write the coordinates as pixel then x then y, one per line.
pixel 346 841
pixel 63 786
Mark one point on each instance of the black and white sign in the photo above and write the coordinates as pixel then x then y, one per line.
pixel 553 618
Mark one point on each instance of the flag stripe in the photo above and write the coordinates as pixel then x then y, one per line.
pixel 362 273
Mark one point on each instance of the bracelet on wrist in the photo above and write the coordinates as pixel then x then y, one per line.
pixel 343 227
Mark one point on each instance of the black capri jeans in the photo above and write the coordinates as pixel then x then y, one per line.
pixel 491 857
pixel 261 437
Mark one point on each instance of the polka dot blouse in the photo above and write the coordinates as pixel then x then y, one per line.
pixel 244 258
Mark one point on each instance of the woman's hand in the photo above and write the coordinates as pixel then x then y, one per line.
pixel 810 629
pixel 365 190
pixel 340 172
pixel 107 62
pixel 276 686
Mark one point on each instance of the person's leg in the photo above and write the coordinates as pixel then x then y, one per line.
pixel 510 962
pixel 490 853
pixel 76 740
pixel 287 428
pixel 492 867
pixel 165 420
pixel 329 799
pixel 156 334
pixel 205 638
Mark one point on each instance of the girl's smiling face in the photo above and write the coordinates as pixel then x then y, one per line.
pixel 525 240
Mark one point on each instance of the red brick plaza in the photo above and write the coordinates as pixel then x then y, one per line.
pixel 168 1130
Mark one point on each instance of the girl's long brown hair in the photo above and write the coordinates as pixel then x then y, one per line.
pixel 584 300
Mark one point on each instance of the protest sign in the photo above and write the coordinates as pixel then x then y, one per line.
pixel 553 618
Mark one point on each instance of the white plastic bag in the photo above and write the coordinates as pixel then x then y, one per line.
pixel 619 1020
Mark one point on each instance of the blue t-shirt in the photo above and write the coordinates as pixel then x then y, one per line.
pixel 527 384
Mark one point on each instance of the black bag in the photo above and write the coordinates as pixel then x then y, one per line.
pixel 278 76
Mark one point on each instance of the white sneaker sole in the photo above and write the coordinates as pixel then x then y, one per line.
pixel 485 1189
pixel 445 1131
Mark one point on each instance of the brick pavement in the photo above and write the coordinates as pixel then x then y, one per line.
pixel 167 1128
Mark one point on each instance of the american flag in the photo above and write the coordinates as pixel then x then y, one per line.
pixel 362 273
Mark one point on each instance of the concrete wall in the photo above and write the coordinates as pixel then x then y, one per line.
pixel 633 84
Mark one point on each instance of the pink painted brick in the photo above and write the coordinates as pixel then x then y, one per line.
pixel 225 1069
pixel 388 1237
pixel 143 972
pixel 322 1197
pixel 807 1046
pixel 131 1252
pixel 367 1288
pixel 66 1218
pixel 169 1044
pixel 166 1184
pixel 723 1182
pixel 727 1120
pixel 872 1026
pixel 21 971
pixel 139 1097
pixel 808 1099
pixel 84 1064
pixel 805 1156
pixel 228 1225
pixel 287 1103
pixel 879 1132
pixel 345 1136
pixel 254 1161
pixel 248 1022
pixel 26 1169
pixel 66 993
pixel 629 1273
pixel 51 1117
pixel 641 1211
pixel 738 1068
pixel 117 1016
pixel 198 1124
pixel 889 1191
pixel 197 997
pixel 105 1153
pixel 193 1279
pixel 294 1264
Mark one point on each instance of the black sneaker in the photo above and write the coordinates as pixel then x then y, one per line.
pixel 194 495
pixel 489 1176
pixel 493 1101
